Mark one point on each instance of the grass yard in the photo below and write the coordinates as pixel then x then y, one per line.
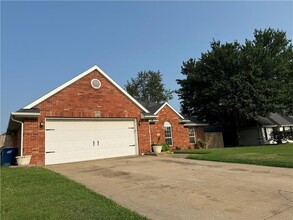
pixel 269 155
pixel 37 193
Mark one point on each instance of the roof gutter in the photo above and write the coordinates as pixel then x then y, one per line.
pixel 269 126
pixel 184 121
pixel 26 114
pixel 21 136
pixel 194 125
pixel 148 116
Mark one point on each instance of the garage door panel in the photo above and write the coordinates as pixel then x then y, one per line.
pixel 77 140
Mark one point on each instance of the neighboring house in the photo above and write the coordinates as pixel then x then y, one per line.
pixel 92 117
pixel 261 129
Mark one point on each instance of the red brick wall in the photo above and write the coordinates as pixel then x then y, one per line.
pixel 81 100
pixel 180 133
pixel 34 141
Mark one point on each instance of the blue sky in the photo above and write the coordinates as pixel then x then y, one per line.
pixel 44 44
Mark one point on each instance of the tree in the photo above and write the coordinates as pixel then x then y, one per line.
pixel 233 83
pixel 148 87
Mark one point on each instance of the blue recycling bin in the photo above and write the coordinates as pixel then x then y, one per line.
pixel 8 155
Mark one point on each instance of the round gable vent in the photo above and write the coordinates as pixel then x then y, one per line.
pixel 96 84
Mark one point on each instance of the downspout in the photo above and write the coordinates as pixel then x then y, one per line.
pixel 21 137
pixel 150 135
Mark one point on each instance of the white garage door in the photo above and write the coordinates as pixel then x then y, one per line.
pixel 72 140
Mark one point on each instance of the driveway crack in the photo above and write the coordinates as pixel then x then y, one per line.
pixel 289 199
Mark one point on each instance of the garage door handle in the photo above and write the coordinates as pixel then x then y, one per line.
pixel 98 143
pixel 50 152
pixel 132 145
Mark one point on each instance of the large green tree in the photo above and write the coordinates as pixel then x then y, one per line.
pixel 148 86
pixel 233 83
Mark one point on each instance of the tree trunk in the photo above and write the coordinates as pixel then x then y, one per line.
pixel 237 136
pixel 237 131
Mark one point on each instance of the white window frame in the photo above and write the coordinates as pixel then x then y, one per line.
pixel 169 136
pixel 192 136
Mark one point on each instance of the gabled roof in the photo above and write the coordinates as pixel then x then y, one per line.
pixel 68 83
pixel 275 119
pixel 154 107
pixel 166 103
pixel 151 106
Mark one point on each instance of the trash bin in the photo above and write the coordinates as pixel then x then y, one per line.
pixel 8 155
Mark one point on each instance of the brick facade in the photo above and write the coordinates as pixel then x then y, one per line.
pixel 80 100
pixel 180 134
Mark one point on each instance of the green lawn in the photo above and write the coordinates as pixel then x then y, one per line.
pixel 37 193
pixel 269 155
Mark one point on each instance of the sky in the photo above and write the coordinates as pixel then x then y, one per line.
pixel 46 43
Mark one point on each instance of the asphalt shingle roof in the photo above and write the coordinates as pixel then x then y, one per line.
pixel 151 106
pixel 276 119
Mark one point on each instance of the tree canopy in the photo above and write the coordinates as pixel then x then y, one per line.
pixel 148 87
pixel 235 82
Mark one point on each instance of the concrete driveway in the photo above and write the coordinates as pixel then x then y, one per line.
pixel 176 188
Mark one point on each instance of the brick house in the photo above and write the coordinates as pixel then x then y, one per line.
pixel 92 117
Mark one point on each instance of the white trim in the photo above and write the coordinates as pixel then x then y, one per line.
pixel 93 85
pixel 166 103
pixel 167 124
pixel 269 126
pixel 194 135
pixel 87 119
pixel 136 137
pixel 58 89
pixel 142 116
pixel 182 121
pixel 29 114
pixel 194 125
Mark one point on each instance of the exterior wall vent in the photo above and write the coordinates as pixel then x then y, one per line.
pixel 96 84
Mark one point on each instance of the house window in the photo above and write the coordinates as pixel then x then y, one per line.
pixel 192 138
pixel 168 133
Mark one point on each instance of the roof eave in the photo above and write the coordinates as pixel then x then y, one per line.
pixel 183 121
pixel 148 116
pixel 26 114
pixel 195 125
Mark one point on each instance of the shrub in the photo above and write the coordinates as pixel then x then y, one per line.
pixel 201 143
pixel 165 147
